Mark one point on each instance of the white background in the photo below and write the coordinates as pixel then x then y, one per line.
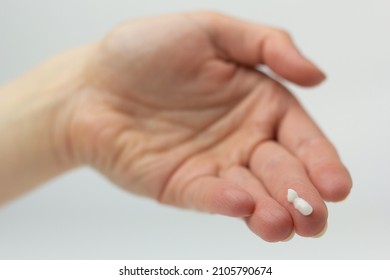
pixel 82 216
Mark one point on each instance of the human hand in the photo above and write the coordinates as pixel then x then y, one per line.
pixel 173 108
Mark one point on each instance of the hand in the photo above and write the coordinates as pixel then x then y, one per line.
pixel 173 108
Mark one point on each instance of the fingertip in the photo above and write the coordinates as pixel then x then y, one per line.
pixel 311 75
pixel 309 226
pixel 304 72
pixel 284 58
pixel 333 183
pixel 271 222
pixel 290 237
pixel 339 190
pixel 322 232
pixel 233 202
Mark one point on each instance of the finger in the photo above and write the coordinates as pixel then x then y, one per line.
pixel 270 220
pixel 280 171
pixel 216 195
pixel 252 44
pixel 299 134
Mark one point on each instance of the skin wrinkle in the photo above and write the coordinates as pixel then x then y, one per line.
pixel 80 124
pixel 208 148
pixel 203 151
pixel 183 163
pixel 208 129
pixel 161 107
pixel 220 53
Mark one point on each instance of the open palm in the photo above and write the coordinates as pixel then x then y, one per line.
pixel 174 109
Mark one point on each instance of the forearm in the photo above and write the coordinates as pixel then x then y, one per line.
pixel 32 135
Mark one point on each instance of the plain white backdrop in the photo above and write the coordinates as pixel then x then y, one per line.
pixel 81 215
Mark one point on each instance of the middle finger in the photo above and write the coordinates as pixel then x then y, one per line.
pixel 280 171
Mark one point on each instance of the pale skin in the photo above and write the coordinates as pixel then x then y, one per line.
pixel 173 108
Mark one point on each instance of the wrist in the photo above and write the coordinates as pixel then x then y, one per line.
pixel 33 119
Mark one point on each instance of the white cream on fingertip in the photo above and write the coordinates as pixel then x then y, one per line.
pixel 299 203
pixel 291 195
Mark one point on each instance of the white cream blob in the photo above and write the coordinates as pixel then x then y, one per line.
pixel 299 203
pixel 291 195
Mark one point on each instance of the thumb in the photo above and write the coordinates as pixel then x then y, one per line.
pixel 251 44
